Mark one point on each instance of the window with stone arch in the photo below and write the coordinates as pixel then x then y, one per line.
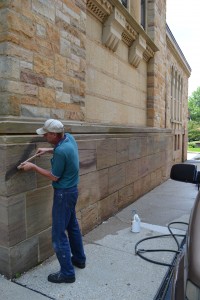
pixel 176 96
pixel 176 105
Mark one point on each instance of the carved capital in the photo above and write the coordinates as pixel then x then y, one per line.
pixel 136 51
pixel 112 29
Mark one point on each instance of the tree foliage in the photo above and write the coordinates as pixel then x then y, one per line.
pixel 193 131
pixel 194 111
pixel 194 105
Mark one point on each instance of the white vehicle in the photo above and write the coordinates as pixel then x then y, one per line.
pixel 185 281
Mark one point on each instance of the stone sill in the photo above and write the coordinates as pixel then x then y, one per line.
pixel 25 127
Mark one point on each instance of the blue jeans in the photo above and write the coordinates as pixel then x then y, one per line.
pixel 64 219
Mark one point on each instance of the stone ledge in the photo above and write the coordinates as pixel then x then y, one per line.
pixel 25 127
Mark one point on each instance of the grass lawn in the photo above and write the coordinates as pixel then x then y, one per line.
pixel 193 149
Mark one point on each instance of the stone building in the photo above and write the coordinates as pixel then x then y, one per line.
pixel 113 73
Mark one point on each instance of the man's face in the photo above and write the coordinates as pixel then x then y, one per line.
pixel 51 137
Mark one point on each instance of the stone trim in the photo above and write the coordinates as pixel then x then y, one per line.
pixel 112 30
pixel 148 53
pixel 136 51
pixel 99 8
pixel 119 25
pixel 128 35
pixel 26 127
pixel 174 48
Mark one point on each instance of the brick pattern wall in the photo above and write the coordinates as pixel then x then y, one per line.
pixel 42 75
pixel 115 170
pixel 42 59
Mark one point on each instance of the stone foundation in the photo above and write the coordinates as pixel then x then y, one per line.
pixel 115 169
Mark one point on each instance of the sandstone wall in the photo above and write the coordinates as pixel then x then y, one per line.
pixel 116 91
pixel 113 75
pixel 115 170
pixel 42 59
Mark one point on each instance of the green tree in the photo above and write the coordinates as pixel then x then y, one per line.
pixel 193 131
pixel 194 111
pixel 194 105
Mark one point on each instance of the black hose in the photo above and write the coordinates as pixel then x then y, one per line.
pixel 140 252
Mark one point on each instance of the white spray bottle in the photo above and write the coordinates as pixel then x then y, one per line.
pixel 135 224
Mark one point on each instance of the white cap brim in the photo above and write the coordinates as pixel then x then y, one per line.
pixel 40 131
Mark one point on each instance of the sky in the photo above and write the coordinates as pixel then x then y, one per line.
pixel 183 19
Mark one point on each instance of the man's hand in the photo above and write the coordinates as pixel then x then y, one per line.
pixel 27 166
pixel 41 151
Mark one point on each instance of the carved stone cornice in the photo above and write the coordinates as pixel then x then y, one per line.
pixel 136 51
pixel 112 30
pixel 148 53
pixel 128 35
pixel 101 9
pixel 119 25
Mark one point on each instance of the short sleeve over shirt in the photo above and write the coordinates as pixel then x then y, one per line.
pixel 65 163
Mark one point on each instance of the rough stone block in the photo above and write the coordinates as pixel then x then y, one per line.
pixel 23 256
pixel 89 218
pixel 15 50
pixel 146 184
pixel 10 105
pixel 87 155
pixel 132 168
pixel 4 234
pixel 143 166
pixel 137 147
pixel 108 206
pixel 31 77
pixel 4 261
pixel 93 186
pixel 45 8
pixel 45 245
pixel 55 84
pixel 38 210
pixel 16 180
pixel 65 47
pixel 63 17
pixel 63 97
pixel 9 67
pixel 106 153
pixel 35 112
pixel 117 177
pixel 60 66
pixel 47 97
pixel 16 220
pixel 152 162
pixel 21 25
pixel 43 65
pixel 150 145
pixel 43 162
pixel 126 196
pixel 137 189
pixel 122 150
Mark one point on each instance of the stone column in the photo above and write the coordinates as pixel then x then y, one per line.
pixel 156 85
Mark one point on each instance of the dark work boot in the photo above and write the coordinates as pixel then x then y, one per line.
pixel 60 278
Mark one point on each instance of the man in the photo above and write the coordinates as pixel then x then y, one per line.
pixel 65 177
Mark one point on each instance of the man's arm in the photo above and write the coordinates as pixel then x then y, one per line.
pixel 27 166
pixel 41 151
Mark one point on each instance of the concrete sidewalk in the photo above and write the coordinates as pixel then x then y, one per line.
pixel 113 270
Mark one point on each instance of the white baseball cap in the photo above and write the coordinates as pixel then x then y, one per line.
pixel 51 125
